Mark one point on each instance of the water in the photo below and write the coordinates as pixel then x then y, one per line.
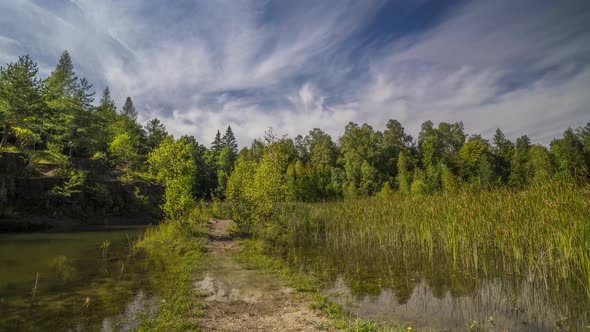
pixel 430 293
pixel 85 281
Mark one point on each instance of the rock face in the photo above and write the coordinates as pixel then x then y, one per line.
pixel 96 197
pixel 97 201
pixel 12 163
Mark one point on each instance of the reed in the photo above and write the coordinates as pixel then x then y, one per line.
pixel 541 232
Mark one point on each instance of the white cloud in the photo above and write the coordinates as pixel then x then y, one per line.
pixel 519 66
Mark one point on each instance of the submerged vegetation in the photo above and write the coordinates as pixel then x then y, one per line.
pixel 178 246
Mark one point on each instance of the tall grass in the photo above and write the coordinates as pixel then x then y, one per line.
pixel 542 232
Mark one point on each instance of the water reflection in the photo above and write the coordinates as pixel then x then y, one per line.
pixel 80 286
pixel 433 293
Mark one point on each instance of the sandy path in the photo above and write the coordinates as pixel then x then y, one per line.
pixel 247 300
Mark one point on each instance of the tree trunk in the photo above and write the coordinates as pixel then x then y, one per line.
pixel 5 135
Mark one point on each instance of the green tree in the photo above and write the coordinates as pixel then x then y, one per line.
pixel 569 155
pixel 487 174
pixel 502 150
pixel 217 144
pixel 70 102
pixel 369 184
pixel 155 133
pixel 172 163
pixel 225 161
pixel 450 183
pixel 229 140
pixel 519 173
pixel 123 149
pixel 205 180
pixel 403 178
pixel 471 155
pixel 127 128
pixel 129 109
pixel 395 141
pixel 357 145
pixel 106 116
pixel 20 98
pixel 540 163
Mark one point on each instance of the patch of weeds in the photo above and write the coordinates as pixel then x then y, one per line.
pixel 179 246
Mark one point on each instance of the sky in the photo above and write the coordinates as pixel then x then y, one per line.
pixel 295 65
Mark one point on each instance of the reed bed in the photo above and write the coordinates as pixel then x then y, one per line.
pixel 542 232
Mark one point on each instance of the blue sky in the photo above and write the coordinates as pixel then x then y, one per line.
pixel 523 66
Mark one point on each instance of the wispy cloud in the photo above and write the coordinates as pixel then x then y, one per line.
pixel 203 65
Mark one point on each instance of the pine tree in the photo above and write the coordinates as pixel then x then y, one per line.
pixel 217 144
pixel 129 110
pixel 63 80
pixel 229 140
pixel 105 118
pixel 156 132
pixel 502 151
pixel 70 102
pixel 19 94
pixel 107 104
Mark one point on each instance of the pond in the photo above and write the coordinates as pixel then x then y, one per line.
pixel 77 281
pixel 433 294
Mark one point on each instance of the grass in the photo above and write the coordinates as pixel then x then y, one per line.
pixel 178 246
pixel 253 256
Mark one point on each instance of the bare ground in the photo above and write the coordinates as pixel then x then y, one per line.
pixel 237 299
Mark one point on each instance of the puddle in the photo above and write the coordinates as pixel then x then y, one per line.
pixel 226 281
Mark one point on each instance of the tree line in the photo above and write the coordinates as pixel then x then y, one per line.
pixel 57 115
pixel 444 158
pixel 56 118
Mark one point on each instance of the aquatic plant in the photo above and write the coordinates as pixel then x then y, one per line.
pixel 104 247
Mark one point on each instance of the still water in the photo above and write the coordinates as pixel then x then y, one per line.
pixel 75 281
pixel 433 294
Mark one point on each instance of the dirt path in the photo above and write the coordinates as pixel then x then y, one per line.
pixel 247 300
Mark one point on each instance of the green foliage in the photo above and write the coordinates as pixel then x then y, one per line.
pixel 172 163
pixel 450 183
pixel 386 190
pixel 541 163
pixel 129 110
pixel 403 178
pixel 519 172
pixel 471 155
pixel 570 155
pixel 123 149
pixel 229 141
pixel 73 184
pixel 217 143
pixel 26 137
pixel 20 99
pixel 156 133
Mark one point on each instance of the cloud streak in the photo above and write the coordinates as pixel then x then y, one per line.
pixel 202 65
